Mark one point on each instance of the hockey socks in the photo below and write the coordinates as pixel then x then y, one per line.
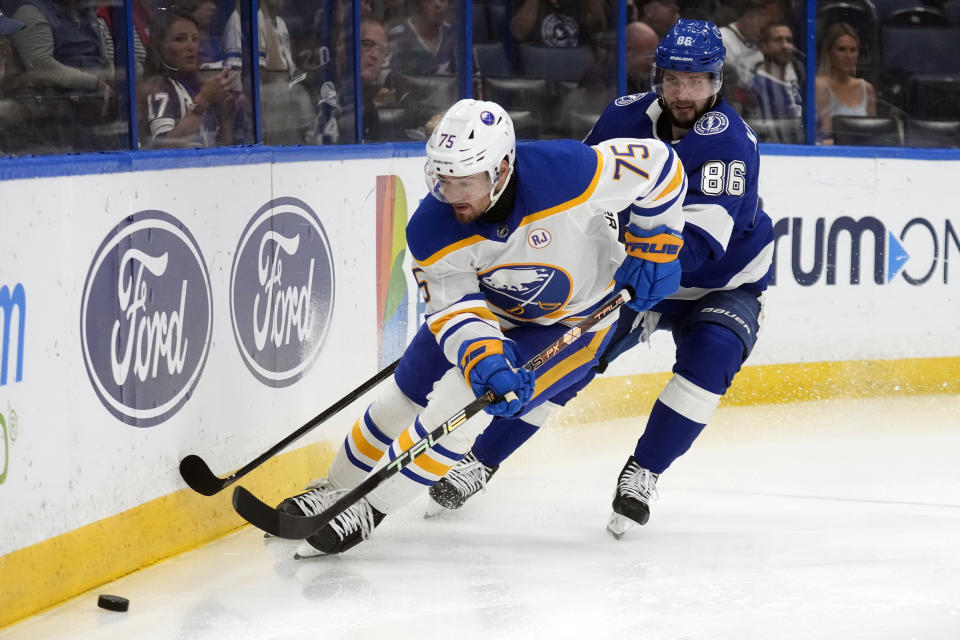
pixel 667 437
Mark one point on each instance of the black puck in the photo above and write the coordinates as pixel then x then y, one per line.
pixel 113 603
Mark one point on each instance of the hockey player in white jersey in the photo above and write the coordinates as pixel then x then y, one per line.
pixel 513 244
pixel 726 258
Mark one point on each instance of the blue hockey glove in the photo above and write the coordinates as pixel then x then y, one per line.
pixel 652 268
pixel 488 363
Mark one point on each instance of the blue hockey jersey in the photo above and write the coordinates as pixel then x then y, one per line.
pixel 728 239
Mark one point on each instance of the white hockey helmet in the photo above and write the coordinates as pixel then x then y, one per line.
pixel 473 137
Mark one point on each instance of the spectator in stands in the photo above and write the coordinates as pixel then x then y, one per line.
pixel 598 86
pixel 641 47
pixel 558 23
pixel 741 39
pixel 275 53
pixel 839 92
pixel 379 87
pixel 60 74
pixel 210 55
pixel 425 43
pixel 778 80
pixel 389 13
pixel 8 27
pixel 660 15
pixel 10 113
pixel 179 109
pixel 288 115
pixel 142 15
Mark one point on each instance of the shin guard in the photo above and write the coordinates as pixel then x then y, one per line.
pixel 371 436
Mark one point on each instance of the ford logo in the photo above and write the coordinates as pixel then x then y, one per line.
pixel 282 291
pixel 145 318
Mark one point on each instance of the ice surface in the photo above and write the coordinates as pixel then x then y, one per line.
pixel 834 520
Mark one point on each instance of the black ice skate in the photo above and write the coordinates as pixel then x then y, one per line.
pixel 347 530
pixel 631 500
pixel 318 496
pixel 465 479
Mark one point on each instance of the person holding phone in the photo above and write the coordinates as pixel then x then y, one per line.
pixel 180 108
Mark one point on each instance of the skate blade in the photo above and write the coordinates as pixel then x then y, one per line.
pixel 434 509
pixel 306 551
pixel 618 525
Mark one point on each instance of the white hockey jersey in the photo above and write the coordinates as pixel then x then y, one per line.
pixel 553 258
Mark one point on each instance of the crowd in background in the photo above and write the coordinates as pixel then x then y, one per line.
pixel 886 72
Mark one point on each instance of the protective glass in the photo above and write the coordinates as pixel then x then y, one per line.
pixel 452 189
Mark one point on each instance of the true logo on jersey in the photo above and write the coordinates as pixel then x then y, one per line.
pixel 623 101
pixel 487 118
pixel 710 123
pixel 527 291
pixel 539 238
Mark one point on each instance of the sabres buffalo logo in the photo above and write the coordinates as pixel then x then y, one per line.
pixel 526 291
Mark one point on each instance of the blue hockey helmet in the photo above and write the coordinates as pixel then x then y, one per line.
pixel 691 46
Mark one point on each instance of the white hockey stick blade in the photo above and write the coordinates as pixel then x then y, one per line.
pixel 618 525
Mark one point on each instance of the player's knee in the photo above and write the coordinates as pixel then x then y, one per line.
pixel 710 355
pixel 393 407
pixel 690 400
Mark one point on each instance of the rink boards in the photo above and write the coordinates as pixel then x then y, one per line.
pixel 150 312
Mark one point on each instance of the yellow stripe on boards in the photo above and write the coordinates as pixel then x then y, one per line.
pixel 49 572
pixel 612 398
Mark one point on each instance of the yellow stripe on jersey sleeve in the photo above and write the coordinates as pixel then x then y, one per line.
pixel 456 246
pixel 675 181
pixel 569 204
pixel 436 326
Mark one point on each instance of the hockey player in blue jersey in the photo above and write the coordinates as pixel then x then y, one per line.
pixel 726 258
pixel 513 244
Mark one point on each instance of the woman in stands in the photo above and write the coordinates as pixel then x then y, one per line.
pixel 839 91
pixel 179 108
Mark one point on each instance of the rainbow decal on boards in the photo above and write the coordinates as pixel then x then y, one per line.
pixel 392 293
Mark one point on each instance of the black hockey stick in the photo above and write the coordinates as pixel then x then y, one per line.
pixel 286 525
pixel 198 476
